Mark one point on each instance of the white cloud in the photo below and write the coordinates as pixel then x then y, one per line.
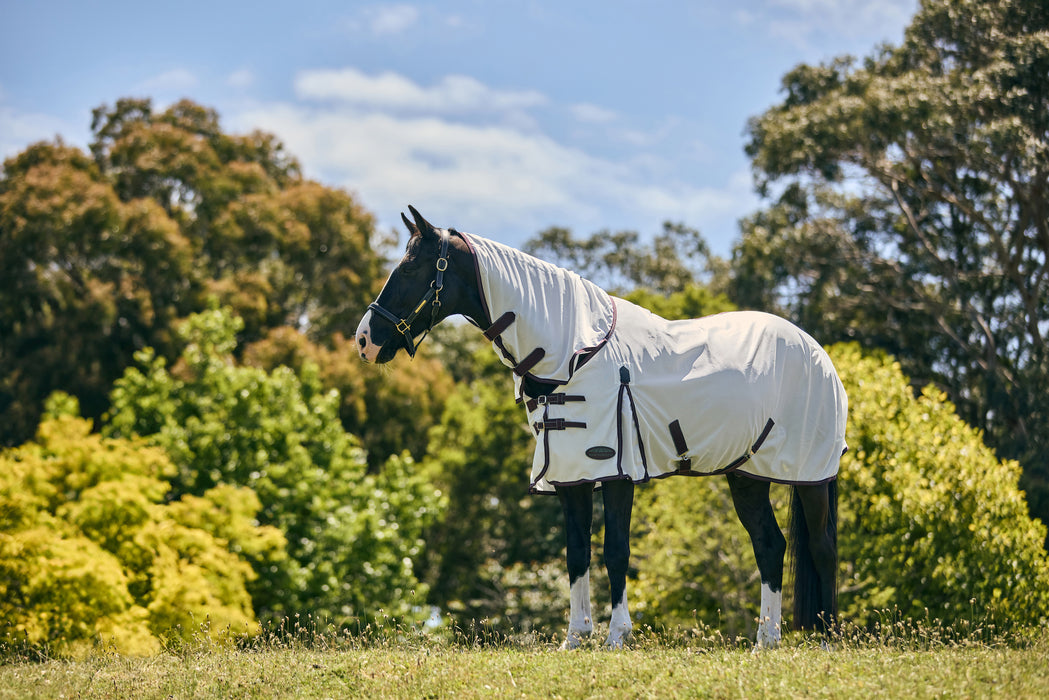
pixel 19 129
pixel 175 80
pixel 495 180
pixel 242 78
pixel 391 19
pixel 592 114
pixel 391 91
pixel 799 21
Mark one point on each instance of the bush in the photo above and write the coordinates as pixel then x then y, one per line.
pixel 91 552
pixel 352 537
pixel 931 521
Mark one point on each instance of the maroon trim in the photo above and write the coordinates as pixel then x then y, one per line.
pixel 598 482
pixel 750 453
pixel 477 275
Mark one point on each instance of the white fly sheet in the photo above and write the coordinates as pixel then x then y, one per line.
pixel 639 397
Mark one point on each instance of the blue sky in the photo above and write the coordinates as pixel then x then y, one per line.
pixel 500 118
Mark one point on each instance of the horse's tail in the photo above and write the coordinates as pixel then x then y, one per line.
pixel 808 606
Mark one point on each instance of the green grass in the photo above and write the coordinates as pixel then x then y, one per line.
pixel 904 661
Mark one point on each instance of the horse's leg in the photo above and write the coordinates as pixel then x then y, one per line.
pixel 578 505
pixel 751 500
pixel 816 600
pixel 619 500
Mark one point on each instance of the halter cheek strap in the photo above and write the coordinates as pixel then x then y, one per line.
pixel 432 297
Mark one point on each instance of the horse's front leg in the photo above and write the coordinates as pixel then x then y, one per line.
pixel 578 505
pixel 618 500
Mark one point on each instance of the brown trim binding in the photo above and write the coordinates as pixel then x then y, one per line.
pixel 749 453
pixel 501 324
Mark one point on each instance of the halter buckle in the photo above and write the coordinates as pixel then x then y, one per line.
pixel 442 264
pixel 403 326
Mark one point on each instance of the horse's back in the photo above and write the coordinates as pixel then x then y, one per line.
pixel 723 378
pixel 705 390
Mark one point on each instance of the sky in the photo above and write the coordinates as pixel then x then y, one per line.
pixel 500 118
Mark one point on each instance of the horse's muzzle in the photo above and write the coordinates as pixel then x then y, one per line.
pixel 367 348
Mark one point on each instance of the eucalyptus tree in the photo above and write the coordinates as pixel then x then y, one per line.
pixel 909 209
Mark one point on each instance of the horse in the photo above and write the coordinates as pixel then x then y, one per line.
pixel 617 396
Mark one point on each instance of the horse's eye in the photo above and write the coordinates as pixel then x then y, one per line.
pixel 410 265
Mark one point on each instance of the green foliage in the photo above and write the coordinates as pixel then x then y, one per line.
pixel 910 213
pixel 93 552
pixel 695 563
pixel 377 403
pixel 931 520
pixel 620 261
pixel 352 537
pixel 691 302
pixel 102 254
pixel 488 553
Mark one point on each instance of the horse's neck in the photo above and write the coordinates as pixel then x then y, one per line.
pixel 555 309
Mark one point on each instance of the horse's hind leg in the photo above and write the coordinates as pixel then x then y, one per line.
pixel 814 540
pixel 578 505
pixel 751 500
pixel 618 500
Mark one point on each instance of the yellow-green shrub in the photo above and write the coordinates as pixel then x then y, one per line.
pixel 91 554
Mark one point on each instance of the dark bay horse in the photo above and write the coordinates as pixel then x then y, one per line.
pixel 617 396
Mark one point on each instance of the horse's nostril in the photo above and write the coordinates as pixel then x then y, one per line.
pixel 362 341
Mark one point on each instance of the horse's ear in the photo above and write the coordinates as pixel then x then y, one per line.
pixel 424 226
pixel 411 227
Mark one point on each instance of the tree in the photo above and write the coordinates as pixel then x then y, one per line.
pixel 389 409
pixel 352 537
pixel 619 261
pixel 101 254
pixel 911 213
pixel 92 551
pixel 82 275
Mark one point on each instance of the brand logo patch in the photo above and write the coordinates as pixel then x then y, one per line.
pixel 600 452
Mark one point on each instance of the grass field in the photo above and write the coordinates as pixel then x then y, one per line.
pixel 652 667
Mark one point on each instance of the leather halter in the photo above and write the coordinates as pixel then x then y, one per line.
pixel 432 296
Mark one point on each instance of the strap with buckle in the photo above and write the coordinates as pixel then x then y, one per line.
pixel 552 400
pixel 557 424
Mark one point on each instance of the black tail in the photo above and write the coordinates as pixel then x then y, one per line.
pixel 811 610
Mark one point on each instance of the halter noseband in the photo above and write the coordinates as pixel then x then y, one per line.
pixel 432 296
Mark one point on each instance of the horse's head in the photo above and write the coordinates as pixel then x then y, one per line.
pixel 434 280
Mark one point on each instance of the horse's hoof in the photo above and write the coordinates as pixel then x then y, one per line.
pixel 574 640
pixel 617 639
